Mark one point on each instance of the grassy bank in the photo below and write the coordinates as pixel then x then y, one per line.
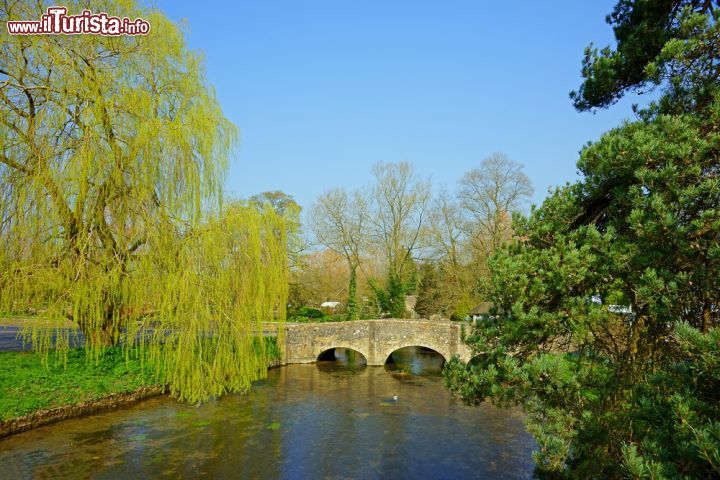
pixel 27 385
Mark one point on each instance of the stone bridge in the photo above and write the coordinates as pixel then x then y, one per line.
pixel 376 340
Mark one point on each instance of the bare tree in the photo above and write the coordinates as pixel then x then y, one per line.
pixel 491 194
pixel 447 283
pixel 285 206
pixel 339 222
pixel 446 229
pixel 400 200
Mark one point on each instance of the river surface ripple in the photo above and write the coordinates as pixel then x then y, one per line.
pixel 330 420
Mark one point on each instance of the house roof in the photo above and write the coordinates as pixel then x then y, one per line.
pixel 330 304
pixel 481 308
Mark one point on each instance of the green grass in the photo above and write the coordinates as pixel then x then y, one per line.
pixel 273 350
pixel 26 385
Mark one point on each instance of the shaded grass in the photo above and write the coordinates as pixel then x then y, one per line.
pixel 28 385
pixel 271 345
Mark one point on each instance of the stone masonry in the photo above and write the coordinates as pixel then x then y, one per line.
pixel 374 339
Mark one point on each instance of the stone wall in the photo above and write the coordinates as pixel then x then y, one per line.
pixel 41 418
pixel 374 339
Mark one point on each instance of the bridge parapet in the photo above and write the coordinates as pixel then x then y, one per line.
pixel 374 339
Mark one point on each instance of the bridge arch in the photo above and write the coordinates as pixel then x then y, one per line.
pixel 376 340
pixel 439 351
pixel 475 360
pixel 330 354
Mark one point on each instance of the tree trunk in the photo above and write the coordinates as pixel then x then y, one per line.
pixel 105 333
pixel 396 296
pixel 706 316
pixel 352 306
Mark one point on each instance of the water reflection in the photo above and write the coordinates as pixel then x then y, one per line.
pixel 335 419
pixel 415 361
pixel 342 356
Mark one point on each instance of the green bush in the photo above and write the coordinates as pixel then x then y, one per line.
pixel 338 317
pixel 310 312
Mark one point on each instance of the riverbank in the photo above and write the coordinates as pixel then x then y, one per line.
pixel 41 418
pixel 297 423
pixel 33 394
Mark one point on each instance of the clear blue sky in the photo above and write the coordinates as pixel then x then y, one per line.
pixel 322 90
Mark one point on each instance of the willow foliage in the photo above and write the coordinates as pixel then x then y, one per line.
pixel 112 151
pixel 216 288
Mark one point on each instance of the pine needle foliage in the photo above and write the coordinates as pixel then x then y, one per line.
pixel 606 318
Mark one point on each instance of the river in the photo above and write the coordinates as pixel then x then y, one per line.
pixel 336 419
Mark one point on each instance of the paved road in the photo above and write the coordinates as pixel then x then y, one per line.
pixel 11 341
pixel 8 339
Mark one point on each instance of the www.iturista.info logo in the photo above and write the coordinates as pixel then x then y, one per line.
pixel 56 21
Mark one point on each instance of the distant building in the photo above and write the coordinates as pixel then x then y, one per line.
pixel 617 309
pixel 481 309
pixel 410 302
pixel 331 305
pixel 620 309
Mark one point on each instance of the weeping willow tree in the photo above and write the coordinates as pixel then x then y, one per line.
pixel 215 284
pixel 112 152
